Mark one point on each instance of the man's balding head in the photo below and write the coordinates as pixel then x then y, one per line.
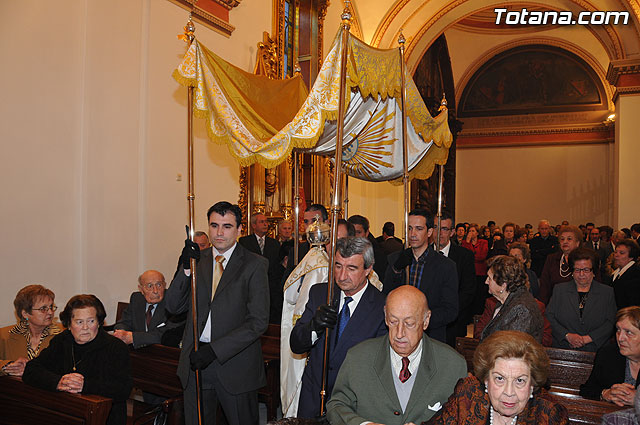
pixel 407 315
pixel 152 285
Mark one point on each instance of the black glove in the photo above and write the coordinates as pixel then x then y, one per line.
pixel 326 317
pixel 190 250
pixel 405 259
pixel 202 358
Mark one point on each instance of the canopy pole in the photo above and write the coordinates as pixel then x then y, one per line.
pixel 335 208
pixel 346 195
pixel 189 38
pixel 443 106
pixel 405 151
pixel 296 208
pixel 438 227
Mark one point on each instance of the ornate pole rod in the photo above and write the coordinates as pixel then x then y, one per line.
pixel 443 105
pixel 346 196
pixel 189 37
pixel 438 228
pixel 335 208
pixel 405 151
pixel 296 208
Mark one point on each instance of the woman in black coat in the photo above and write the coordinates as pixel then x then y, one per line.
pixel 85 359
pixel 614 376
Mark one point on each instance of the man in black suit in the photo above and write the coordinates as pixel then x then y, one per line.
pixel 388 242
pixel 602 248
pixel 541 246
pixel 361 317
pixel 466 278
pixel 432 273
pixel 361 225
pixel 145 319
pixel 261 244
pixel 232 299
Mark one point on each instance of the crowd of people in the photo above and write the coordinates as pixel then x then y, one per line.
pixel 394 315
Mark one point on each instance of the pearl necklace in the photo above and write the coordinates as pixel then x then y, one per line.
pixel 513 421
pixel 564 273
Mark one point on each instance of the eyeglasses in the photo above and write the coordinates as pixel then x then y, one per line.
pixel 46 308
pixel 152 285
pixel 585 270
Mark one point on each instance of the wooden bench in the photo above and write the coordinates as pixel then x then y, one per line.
pixel 154 368
pixel 270 393
pixel 568 369
pixel 26 405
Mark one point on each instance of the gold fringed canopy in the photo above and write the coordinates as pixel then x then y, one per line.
pixel 263 120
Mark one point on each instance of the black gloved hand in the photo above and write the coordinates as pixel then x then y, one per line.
pixel 405 259
pixel 326 316
pixel 190 250
pixel 202 358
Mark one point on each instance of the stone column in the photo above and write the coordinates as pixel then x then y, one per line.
pixel 624 74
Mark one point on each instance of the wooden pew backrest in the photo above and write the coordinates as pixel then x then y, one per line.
pixel 25 405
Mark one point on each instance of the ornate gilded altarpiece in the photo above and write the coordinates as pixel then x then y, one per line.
pixel 295 45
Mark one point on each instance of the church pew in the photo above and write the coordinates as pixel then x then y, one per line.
pixel 26 405
pixel 567 370
pixel 154 368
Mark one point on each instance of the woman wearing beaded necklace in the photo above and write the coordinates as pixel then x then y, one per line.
pixel 85 358
pixel 24 341
pixel 510 368
pixel 582 312
pixel 556 267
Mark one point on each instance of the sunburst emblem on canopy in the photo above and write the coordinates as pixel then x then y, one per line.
pixel 365 155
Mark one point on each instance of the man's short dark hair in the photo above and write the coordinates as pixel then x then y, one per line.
pixel 607 229
pixel 635 228
pixel 351 230
pixel 389 228
pixel 459 225
pixel 361 220
pixel 224 207
pixel 590 224
pixel 491 223
pixel 423 213
pixel 319 208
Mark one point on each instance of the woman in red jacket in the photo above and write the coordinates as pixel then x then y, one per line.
pixel 480 248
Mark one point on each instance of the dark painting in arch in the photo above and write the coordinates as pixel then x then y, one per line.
pixel 532 80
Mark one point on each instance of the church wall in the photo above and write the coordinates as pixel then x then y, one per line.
pixel 526 184
pixel 94 132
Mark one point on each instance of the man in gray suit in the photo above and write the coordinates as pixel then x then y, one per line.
pixel 400 378
pixel 145 319
pixel 232 296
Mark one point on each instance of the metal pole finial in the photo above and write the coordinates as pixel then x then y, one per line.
pixel 443 103
pixel 296 69
pixel 401 39
pixel 189 29
pixel 346 14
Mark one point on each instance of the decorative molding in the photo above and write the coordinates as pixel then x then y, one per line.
pixel 622 67
pixel 207 18
pixel 599 134
pixel 243 196
pixel 267 57
pixel 229 4
pixel 322 13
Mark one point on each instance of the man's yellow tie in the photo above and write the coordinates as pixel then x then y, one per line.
pixel 217 274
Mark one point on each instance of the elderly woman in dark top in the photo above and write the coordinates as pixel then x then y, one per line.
pixel 510 368
pixel 582 312
pixel 521 251
pixel 517 309
pixel 614 376
pixel 85 358
pixel 24 341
